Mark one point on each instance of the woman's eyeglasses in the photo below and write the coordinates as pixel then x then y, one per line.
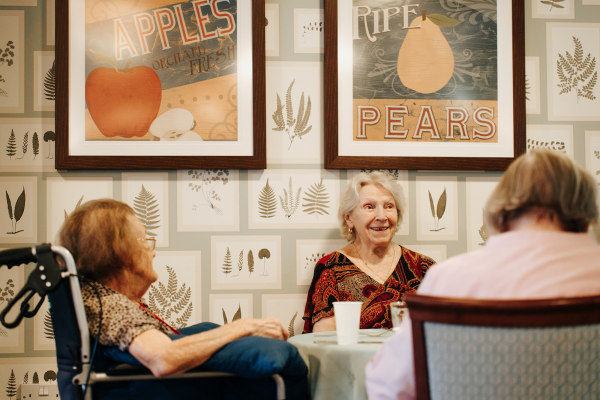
pixel 151 242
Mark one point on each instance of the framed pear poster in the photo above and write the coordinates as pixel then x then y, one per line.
pixel 160 84
pixel 427 84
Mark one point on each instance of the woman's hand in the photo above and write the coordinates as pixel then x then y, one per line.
pixel 265 327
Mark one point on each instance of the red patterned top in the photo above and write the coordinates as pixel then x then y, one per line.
pixel 336 278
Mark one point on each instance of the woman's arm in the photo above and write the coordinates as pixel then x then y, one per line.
pixel 324 324
pixel 322 293
pixel 163 356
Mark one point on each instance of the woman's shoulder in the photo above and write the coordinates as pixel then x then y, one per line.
pixel 414 258
pixel 332 259
pixel 329 264
pixel 92 291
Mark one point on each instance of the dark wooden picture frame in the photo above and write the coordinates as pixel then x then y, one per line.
pixel 441 161
pixel 65 159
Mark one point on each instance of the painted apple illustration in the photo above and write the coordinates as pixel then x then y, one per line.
pixel 123 102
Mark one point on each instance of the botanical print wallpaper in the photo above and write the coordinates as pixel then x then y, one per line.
pixel 234 244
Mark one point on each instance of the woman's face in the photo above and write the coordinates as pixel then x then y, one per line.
pixel 375 216
pixel 143 265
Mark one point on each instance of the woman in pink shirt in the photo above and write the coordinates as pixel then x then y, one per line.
pixel 538 218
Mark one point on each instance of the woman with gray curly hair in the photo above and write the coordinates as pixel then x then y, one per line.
pixel 371 268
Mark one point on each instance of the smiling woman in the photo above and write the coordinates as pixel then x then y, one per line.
pixel 371 268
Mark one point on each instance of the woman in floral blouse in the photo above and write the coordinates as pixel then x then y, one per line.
pixel 371 268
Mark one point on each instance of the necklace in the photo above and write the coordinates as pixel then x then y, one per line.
pixel 376 273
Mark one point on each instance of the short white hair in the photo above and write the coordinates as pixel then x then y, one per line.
pixel 349 198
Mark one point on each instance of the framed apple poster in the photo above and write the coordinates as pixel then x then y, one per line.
pixel 160 84
pixel 424 84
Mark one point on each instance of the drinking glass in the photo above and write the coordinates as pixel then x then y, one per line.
pixel 398 309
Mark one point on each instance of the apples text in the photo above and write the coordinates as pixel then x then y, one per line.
pixel 134 35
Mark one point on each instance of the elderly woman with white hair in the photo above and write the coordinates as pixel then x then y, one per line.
pixel 371 268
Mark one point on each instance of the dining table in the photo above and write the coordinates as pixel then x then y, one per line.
pixel 338 371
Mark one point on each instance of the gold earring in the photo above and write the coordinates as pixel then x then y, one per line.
pixel 350 230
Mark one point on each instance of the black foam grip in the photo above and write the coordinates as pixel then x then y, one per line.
pixel 12 257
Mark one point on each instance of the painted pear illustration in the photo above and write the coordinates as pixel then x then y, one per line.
pixel 425 59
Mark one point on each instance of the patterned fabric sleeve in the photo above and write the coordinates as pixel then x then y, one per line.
pixel 122 319
pixel 424 264
pixel 417 263
pixel 322 293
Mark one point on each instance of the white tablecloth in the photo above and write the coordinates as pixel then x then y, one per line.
pixel 338 372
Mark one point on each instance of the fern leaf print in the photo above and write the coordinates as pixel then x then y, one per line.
pixel 289 109
pixel 296 127
pixel 291 324
pixel 182 301
pixel 172 281
pixel 316 199
pixel 11 146
pixel 48 327
pixel 302 127
pixel 278 116
pixel 267 203
pixel 240 263
pixel 183 319
pixel 25 145
pixel 227 262
pixel 171 302
pixel 300 114
pixel 577 74
pixel 11 385
pixel 290 202
pixel 50 83
pixel 146 207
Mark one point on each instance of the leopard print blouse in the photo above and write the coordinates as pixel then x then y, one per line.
pixel 122 318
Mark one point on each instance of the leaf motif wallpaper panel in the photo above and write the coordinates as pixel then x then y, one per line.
pixel 244 243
